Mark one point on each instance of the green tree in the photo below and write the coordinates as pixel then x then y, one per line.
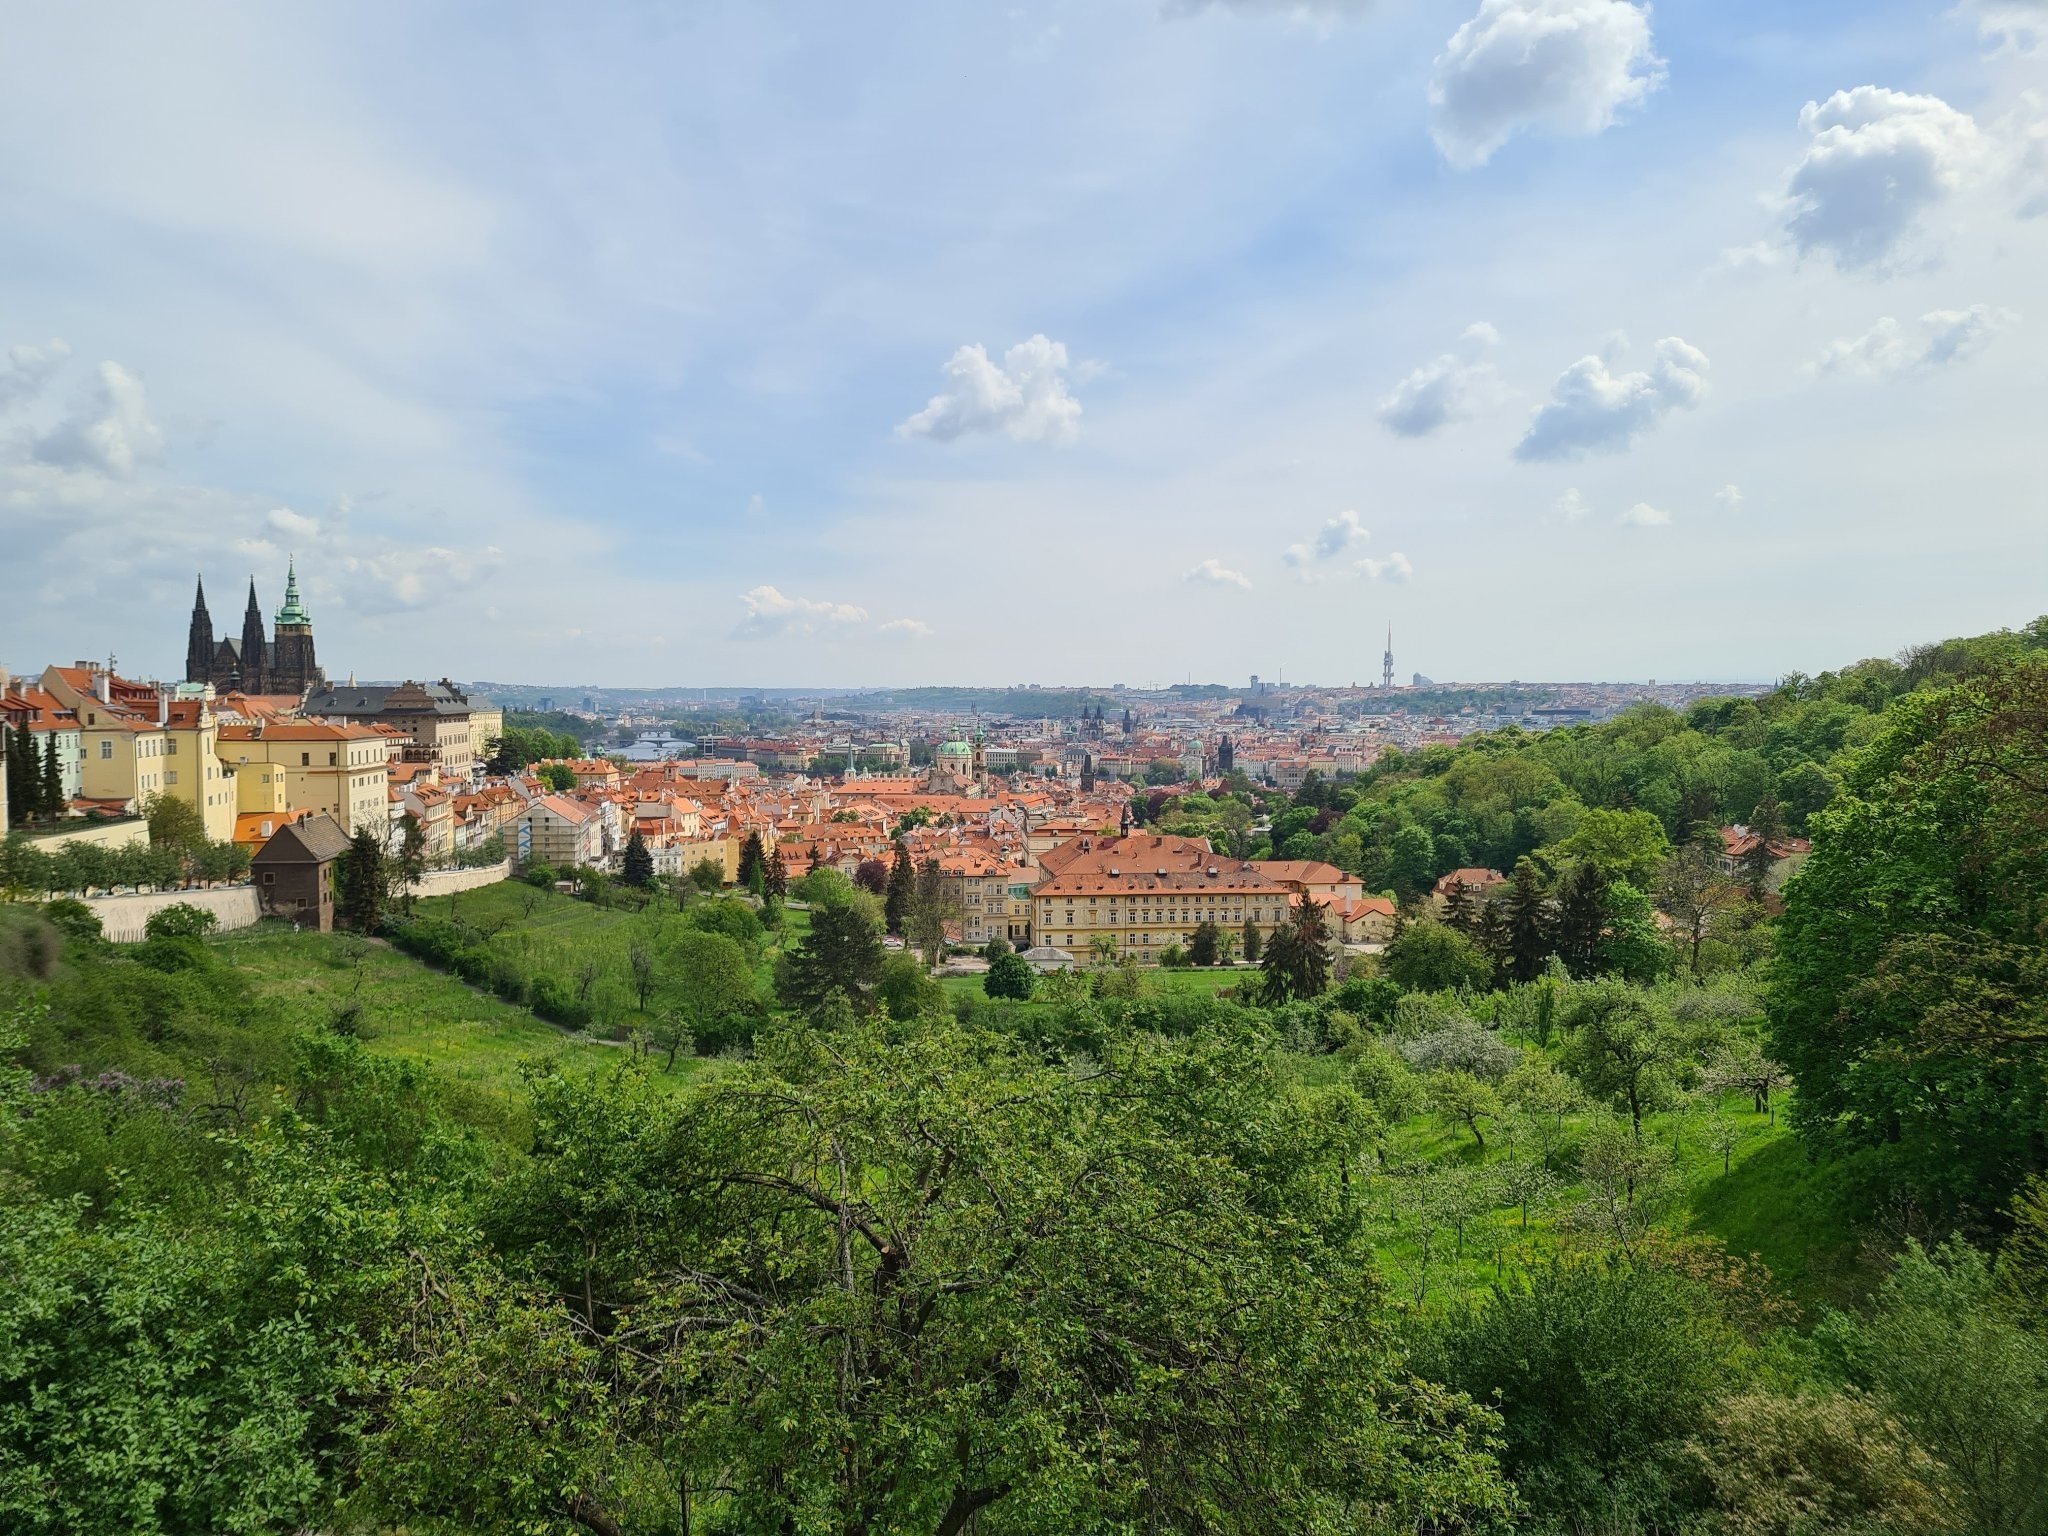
pixel 933 906
pixel 1910 995
pixel 753 861
pixel 1970 1384
pixel 1582 918
pixel 775 876
pixel 1631 945
pixel 708 876
pixel 1204 944
pixel 1428 957
pixel 1460 1099
pixel 364 883
pixel 50 799
pixel 1622 844
pixel 1620 1050
pixel 707 986
pixel 842 953
pixel 868 1261
pixel 1597 1368
pixel 1412 863
pixel 901 891
pixel 410 866
pixel 637 864
pixel 1530 940
pixel 180 920
pixel 1296 962
pixel 1253 942
pixel 1767 826
pixel 1010 976
pixel 907 989
pixel 174 824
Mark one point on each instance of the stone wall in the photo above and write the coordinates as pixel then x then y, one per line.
pixel 444 882
pixel 123 917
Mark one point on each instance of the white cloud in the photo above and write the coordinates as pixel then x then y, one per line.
pixel 1729 497
pixel 2028 141
pixel 1943 336
pixel 1571 506
pixel 1396 567
pixel 756 507
pixel 29 367
pixel 1454 386
pixel 1593 409
pixel 914 629
pixel 1557 66
pixel 1331 540
pixel 1213 572
pixel 2016 26
pixel 1643 515
pixel 1878 163
pixel 769 614
pixel 293 524
pixel 109 430
pixel 1320 558
pixel 403 580
pixel 1027 397
pixel 1300 10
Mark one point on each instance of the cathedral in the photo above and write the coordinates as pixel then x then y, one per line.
pixel 252 664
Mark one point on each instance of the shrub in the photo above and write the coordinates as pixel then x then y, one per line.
pixel 558 1003
pixel 180 920
pixel 74 919
pixel 1461 1044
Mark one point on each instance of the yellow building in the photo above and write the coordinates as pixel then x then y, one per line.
pixel 141 740
pixel 1146 893
pixel 324 766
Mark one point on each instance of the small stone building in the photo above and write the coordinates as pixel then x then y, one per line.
pixel 293 872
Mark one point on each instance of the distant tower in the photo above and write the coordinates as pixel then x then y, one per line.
pixel 292 666
pixel 255 654
pixel 1387 661
pixel 199 640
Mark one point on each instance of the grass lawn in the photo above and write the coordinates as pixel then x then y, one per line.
pixel 475 1043
pixel 1206 981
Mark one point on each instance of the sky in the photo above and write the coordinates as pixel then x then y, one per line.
pixel 1106 341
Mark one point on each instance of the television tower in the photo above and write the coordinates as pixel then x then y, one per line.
pixel 1387 661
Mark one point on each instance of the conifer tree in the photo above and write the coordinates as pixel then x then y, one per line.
pixel 775 879
pixel 1251 944
pixel 363 883
pixel 1529 936
pixel 1458 908
pixel 637 866
pixel 52 796
pixel 751 859
pixel 902 890
pixel 1581 918
pixel 21 800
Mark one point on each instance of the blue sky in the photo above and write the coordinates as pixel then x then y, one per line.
pixel 1576 338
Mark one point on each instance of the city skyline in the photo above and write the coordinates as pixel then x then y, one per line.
pixel 1124 340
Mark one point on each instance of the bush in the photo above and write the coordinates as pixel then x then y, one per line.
pixel 1598 1369
pixel 74 919
pixel 180 920
pixel 558 1003
pixel 733 919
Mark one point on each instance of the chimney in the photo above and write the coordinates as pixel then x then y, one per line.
pixel 163 706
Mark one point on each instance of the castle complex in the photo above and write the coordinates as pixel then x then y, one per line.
pixel 282 664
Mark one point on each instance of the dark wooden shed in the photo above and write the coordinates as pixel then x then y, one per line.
pixel 293 871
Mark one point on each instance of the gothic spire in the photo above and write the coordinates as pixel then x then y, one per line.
pixel 293 611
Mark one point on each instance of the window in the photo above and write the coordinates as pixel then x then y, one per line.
pixel 171 746
pixel 106 748
pixel 171 777
pixel 330 759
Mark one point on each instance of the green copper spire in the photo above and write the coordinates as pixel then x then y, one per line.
pixel 293 612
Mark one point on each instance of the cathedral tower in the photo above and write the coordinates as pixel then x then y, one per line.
pixel 293 668
pixel 199 640
pixel 253 673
